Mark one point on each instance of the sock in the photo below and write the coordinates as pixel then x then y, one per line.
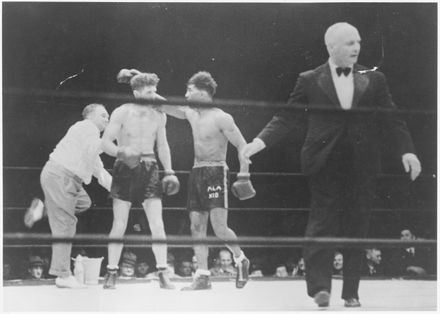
pixel 200 272
pixel 240 258
pixel 161 266
pixel 112 268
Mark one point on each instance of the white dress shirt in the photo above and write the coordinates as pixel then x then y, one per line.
pixel 344 86
pixel 79 150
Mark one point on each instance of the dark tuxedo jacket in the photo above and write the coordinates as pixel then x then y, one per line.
pixel 399 259
pixel 365 270
pixel 323 130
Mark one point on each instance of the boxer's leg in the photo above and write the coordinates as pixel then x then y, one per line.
pixel 199 226
pixel 120 217
pixel 219 222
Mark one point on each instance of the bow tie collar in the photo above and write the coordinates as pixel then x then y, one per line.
pixel 340 70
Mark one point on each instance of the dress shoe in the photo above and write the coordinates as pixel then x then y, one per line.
pixel 34 212
pixel 352 302
pixel 322 298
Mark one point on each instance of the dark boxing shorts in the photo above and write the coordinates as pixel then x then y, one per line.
pixel 138 184
pixel 208 187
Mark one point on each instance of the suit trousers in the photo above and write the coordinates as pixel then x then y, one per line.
pixel 341 199
pixel 64 196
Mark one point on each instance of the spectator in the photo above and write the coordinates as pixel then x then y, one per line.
pixel 45 254
pixel 410 260
pixel 257 265
pixel 79 251
pixel 300 268
pixel 287 269
pixel 7 269
pixel 373 264
pixel 128 264
pixel 338 263
pixel 35 267
pixel 142 269
pixel 185 268
pixel 290 266
pixel 170 268
pixel 281 271
pixel 224 266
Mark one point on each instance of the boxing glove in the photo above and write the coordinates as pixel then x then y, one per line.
pixel 170 183
pixel 129 156
pixel 242 188
pixel 125 75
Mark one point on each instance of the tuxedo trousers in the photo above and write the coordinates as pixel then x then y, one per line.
pixel 342 194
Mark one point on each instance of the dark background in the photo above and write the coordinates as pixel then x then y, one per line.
pixel 255 52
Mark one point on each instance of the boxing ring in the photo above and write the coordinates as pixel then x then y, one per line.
pixel 260 294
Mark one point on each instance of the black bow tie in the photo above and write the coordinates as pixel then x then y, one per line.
pixel 346 71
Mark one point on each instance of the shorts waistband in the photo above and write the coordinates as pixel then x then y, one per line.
pixel 148 157
pixel 199 164
pixel 54 164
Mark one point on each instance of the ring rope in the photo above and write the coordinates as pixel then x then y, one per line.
pixel 270 209
pixel 10 238
pixel 268 174
pixel 36 238
pixel 85 245
pixel 180 101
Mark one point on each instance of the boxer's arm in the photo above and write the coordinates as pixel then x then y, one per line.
pixel 286 120
pixel 232 132
pixel 179 112
pixel 163 149
pixel 112 131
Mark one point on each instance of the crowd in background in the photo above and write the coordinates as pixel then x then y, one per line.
pixel 138 263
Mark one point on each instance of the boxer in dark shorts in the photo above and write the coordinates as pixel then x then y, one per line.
pixel 208 186
pixel 212 130
pixel 139 131
pixel 138 184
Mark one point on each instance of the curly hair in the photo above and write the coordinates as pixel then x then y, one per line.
pixel 204 81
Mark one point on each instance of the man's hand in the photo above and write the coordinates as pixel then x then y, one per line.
pixel 411 164
pixel 251 149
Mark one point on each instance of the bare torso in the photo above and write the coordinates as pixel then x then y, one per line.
pixel 210 144
pixel 139 127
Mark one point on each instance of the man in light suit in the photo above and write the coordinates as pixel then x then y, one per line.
pixel 341 154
